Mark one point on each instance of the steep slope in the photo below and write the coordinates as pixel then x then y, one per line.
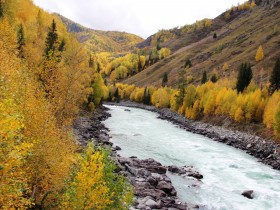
pixel 102 41
pixel 238 39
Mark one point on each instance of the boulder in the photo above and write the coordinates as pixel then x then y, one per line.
pixel 248 194
pixel 165 186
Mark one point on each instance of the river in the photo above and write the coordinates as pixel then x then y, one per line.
pixel 227 171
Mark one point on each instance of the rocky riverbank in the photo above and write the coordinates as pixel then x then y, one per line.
pixel 152 187
pixel 267 151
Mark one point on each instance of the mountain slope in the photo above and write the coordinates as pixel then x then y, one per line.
pixel 238 39
pixel 102 41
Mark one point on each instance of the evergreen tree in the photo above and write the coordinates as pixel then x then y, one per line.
pixel 275 77
pixel 214 78
pixel 181 87
pixel 117 96
pixel 147 97
pixel 204 78
pixel 1 9
pixel 20 40
pixel 51 39
pixel 61 47
pixel 214 36
pixel 188 63
pixel 90 62
pixel 164 79
pixel 245 76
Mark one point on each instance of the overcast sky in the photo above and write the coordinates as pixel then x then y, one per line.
pixel 141 17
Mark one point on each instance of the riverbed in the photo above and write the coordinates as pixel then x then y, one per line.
pixel 227 171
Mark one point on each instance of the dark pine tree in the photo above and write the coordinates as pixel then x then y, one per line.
pixel 214 78
pixel 188 63
pixel 204 78
pixel 117 96
pixel 275 77
pixel 214 36
pixel 90 62
pixel 181 87
pixel 245 76
pixel 147 97
pixel 51 39
pixel 1 9
pixel 20 41
pixel 62 44
pixel 164 79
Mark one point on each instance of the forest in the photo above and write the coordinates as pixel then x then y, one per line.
pixel 47 77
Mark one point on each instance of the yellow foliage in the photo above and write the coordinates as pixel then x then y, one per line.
pixel 270 110
pixel 161 98
pixel 259 54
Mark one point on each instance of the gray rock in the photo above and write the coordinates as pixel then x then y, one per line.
pixel 248 194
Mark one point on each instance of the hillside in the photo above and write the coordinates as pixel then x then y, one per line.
pixel 102 41
pixel 238 38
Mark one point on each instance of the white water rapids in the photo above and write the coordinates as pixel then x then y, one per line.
pixel 227 171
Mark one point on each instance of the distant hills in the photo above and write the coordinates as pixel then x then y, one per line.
pixel 102 41
pixel 231 38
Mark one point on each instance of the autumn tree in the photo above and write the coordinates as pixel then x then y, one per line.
pixel 275 77
pixel 163 53
pixel 244 76
pixel 164 79
pixel 204 78
pixel 259 54
pixel 225 67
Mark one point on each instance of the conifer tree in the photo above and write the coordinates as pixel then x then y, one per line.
pixel 188 63
pixel 244 76
pixel 214 78
pixel 275 77
pixel 90 62
pixel 20 40
pixel 51 39
pixel 204 78
pixel 1 9
pixel 147 97
pixel 164 79
pixel 117 96
pixel 215 36
pixel 61 47
pixel 181 87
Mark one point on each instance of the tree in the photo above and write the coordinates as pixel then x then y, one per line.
pixel 90 62
pixel 147 97
pixel 164 53
pixel 275 77
pixel 181 87
pixel 214 36
pixel 188 64
pixel 204 78
pixel 61 47
pixel 214 78
pixel 20 41
pixel 164 79
pixel 1 9
pixel 51 40
pixel 259 54
pixel 225 66
pixel 117 96
pixel 244 76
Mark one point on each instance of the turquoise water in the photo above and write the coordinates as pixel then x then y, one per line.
pixel 227 171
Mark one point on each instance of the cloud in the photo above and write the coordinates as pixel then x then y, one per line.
pixel 141 17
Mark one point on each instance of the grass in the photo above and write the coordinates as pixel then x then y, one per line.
pixel 237 42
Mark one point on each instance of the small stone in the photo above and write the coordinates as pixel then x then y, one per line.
pixel 248 194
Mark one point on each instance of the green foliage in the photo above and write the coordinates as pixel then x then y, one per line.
pixel 95 185
pixel 181 87
pixel 188 64
pixel 51 39
pixel 244 76
pixel 147 97
pixel 204 78
pixel 20 40
pixel 214 78
pixel 275 77
pixel 164 79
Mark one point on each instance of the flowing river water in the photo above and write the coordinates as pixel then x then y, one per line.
pixel 227 171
